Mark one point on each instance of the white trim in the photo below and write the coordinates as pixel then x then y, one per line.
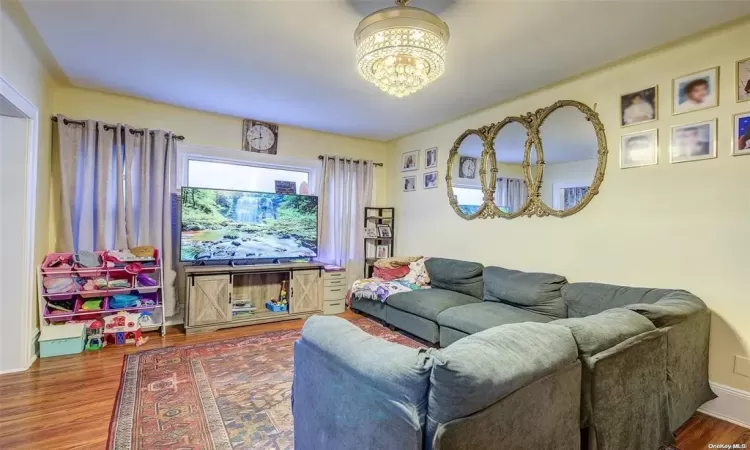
pixel 27 258
pixel 186 152
pixel 732 405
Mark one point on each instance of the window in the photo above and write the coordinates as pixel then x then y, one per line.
pixel 469 199
pixel 242 171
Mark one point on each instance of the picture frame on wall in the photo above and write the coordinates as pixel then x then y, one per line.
pixel 742 78
pixel 384 231
pixel 696 91
pixel 639 107
pixel 741 134
pixel 381 251
pixel 693 142
pixel 639 149
pixel 430 158
pixel 410 183
pixel 430 180
pixel 410 161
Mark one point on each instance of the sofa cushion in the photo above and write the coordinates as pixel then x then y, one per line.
pixel 477 317
pixel 585 299
pixel 479 370
pixel 455 275
pixel 538 292
pixel 672 309
pixel 602 331
pixel 428 303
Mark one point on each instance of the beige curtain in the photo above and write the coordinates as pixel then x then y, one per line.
pixel 344 190
pixel 117 190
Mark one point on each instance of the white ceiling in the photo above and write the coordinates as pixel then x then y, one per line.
pixel 292 61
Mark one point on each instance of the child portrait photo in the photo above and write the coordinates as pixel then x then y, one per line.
pixel 410 184
pixel 696 91
pixel 639 107
pixel 639 149
pixel 741 141
pixel 410 161
pixel 693 142
pixel 430 180
pixel 743 80
pixel 430 158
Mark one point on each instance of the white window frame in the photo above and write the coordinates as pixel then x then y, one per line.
pixel 187 153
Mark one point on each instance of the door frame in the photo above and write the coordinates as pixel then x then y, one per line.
pixel 29 331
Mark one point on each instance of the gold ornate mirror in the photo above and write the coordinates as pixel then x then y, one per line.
pixel 574 152
pixel 505 176
pixel 463 177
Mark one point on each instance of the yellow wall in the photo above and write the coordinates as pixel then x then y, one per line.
pixel 20 67
pixel 684 225
pixel 214 130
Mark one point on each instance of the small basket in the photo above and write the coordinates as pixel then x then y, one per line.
pixel 52 257
pixel 91 271
pixel 276 308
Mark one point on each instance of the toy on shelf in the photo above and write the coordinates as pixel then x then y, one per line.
pixel 95 335
pixel 281 304
pixel 123 328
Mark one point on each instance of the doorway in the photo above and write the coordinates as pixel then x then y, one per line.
pixel 18 160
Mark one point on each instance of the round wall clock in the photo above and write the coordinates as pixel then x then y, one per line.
pixel 260 137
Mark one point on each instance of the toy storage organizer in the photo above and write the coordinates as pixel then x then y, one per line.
pixel 106 282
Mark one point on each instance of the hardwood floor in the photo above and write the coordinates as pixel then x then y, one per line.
pixel 66 402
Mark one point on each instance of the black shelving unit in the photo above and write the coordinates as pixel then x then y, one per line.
pixel 373 217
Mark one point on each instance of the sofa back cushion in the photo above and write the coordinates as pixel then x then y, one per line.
pixel 537 292
pixel 483 368
pixel 455 275
pixel 594 334
pixel 586 299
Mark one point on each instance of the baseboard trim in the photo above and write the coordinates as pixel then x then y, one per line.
pixel 732 405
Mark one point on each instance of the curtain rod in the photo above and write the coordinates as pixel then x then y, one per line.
pixel 111 127
pixel 355 161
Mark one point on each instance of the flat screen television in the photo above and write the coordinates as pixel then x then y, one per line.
pixel 221 225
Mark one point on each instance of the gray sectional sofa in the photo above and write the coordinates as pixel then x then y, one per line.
pixel 644 352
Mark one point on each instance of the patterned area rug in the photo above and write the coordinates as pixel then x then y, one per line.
pixel 219 395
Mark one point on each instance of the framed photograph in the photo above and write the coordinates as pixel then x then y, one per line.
pixel 696 91
pixel 743 80
pixel 467 167
pixel 371 233
pixel 410 161
pixel 639 149
pixel 381 251
pixel 410 183
pixel 639 107
pixel 693 142
pixel 384 231
pixel 429 180
pixel 430 158
pixel 741 134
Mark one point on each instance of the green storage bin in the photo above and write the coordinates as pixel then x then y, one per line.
pixel 58 340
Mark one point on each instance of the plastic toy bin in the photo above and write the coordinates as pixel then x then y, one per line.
pixel 52 257
pixel 275 308
pixel 58 340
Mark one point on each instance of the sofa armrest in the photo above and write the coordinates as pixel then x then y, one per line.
pixel 352 389
pixel 673 308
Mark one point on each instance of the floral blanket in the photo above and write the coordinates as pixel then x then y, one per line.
pixel 379 289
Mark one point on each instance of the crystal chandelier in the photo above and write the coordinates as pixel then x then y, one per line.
pixel 401 49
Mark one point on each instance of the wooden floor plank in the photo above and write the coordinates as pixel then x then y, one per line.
pixel 66 402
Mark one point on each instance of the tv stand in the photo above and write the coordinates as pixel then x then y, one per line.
pixel 215 293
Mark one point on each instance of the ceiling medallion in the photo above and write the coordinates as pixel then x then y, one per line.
pixel 401 49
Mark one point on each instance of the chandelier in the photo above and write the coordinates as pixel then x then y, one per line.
pixel 401 49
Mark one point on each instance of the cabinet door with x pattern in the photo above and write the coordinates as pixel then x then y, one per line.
pixel 307 287
pixel 209 301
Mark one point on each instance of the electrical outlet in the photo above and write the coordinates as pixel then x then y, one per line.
pixel 742 366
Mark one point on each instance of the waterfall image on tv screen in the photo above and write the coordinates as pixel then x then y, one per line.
pixel 225 225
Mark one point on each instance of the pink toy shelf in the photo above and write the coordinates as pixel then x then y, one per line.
pixel 80 284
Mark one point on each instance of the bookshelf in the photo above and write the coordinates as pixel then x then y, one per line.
pixel 375 216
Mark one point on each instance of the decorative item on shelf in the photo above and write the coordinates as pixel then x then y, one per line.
pixel 382 251
pixel 743 80
pixel 639 107
pixel 410 183
pixel 693 142
pixel 430 158
pixel 122 328
pixel 410 161
pixel 260 137
pixel 384 231
pixel 371 233
pixel 429 180
pixel 401 49
pixel 285 187
pixel 741 134
pixel 639 149
pixel 696 91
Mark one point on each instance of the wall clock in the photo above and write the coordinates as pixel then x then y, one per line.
pixel 260 137
pixel 467 167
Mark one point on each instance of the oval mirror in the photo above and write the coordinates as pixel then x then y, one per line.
pixel 505 175
pixel 574 154
pixel 463 179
